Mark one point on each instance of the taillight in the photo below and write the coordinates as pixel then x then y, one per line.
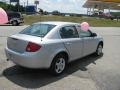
pixel 32 47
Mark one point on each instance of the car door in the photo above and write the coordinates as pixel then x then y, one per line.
pixel 72 42
pixel 89 42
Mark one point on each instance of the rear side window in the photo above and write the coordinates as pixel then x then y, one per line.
pixel 69 32
pixel 39 30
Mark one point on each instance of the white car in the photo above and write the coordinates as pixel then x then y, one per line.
pixel 52 45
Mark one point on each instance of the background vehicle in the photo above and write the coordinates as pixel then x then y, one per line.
pixel 52 45
pixel 15 18
pixel 107 16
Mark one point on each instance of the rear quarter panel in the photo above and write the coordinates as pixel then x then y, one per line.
pixel 53 47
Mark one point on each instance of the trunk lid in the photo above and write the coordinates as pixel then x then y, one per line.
pixel 19 42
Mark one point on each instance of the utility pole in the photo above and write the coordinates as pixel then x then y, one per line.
pixel 27 2
pixel 36 3
pixel 10 2
pixel 18 5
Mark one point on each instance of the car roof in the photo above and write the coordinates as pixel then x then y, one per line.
pixel 58 23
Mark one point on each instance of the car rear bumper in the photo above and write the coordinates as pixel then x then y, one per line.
pixel 27 60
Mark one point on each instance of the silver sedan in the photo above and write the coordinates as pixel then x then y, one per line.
pixel 52 45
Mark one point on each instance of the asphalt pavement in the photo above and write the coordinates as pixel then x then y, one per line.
pixel 88 73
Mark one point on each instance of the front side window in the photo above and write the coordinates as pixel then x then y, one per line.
pixel 39 30
pixel 69 32
pixel 85 33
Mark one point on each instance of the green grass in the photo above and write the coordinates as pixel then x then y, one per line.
pixel 92 21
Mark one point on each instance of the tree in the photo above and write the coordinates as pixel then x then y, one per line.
pixel 9 7
pixel 41 11
pixel 56 12
pixel 3 5
pixel 45 13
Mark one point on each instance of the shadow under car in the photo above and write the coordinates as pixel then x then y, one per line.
pixel 36 78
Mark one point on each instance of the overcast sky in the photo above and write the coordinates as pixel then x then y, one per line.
pixel 68 6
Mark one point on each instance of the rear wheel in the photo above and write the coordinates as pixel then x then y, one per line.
pixel 14 23
pixel 99 50
pixel 58 65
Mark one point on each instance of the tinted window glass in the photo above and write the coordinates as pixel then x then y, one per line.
pixel 14 15
pixel 38 29
pixel 69 32
pixel 85 33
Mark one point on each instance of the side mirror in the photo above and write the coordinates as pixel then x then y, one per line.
pixel 93 34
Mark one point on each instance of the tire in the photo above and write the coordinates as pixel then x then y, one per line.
pixel 18 24
pixel 14 23
pixel 58 65
pixel 99 49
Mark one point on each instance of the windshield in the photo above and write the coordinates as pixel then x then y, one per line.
pixel 39 30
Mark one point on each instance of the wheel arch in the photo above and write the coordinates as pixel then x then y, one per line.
pixel 61 52
pixel 101 42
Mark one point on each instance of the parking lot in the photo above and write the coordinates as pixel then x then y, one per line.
pixel 88 73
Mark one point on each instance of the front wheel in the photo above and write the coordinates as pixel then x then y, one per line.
pixel 99 50
pixel 58 65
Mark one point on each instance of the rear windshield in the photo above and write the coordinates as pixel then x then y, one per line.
pixel 39 30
